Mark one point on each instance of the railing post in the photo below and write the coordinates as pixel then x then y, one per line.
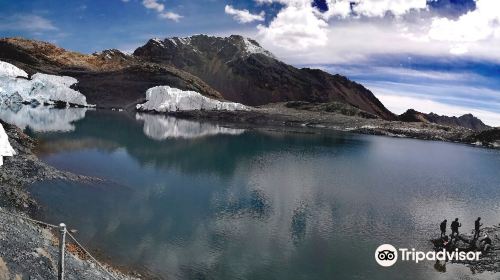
pixel 62 246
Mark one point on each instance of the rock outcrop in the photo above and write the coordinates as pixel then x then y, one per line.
pixel 467 121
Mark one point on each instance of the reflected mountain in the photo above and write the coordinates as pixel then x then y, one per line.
pixel 262 204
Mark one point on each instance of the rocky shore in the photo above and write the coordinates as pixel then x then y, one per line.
pixel 489 260
pixel 29 250
pixel 345 119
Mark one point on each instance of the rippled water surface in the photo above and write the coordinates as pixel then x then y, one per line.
pixel 189 200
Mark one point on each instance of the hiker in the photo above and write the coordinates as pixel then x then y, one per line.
pixel 442 226
pixel 477 227
pixel 454 227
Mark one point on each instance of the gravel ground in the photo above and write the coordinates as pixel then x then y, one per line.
pixel 30 251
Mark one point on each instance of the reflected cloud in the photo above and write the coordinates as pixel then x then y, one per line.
pixel 160 127
pixel 42 118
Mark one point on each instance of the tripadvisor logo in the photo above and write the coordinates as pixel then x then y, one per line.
pixel 387 255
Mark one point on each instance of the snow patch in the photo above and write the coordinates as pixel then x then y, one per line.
pixel 6 149
pixel 42 88
pixel 185 41
pixel 168 99
pixel 159 127
pixel 159 42
pixel 9 70
pixel 172 41
pixel 253 48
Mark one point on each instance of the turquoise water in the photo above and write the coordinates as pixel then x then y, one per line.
pixel 188 200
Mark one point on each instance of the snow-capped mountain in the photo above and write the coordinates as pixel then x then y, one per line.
pixel 233 68
pixel 242 71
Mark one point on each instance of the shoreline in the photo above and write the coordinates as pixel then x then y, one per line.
pixel 25 168
pixel 278 115
pixel 29 249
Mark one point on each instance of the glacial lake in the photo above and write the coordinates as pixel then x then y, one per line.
pixel 188 200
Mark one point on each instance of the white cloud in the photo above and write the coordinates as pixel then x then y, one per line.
pixel 153 5
pixel 378 8
pixel 243 16
pixel 296 27
pixel 337 8
pixel 299 26
pixel 480 24
pixel 346 33
pixel 170 15
pixel 27 22
pixel 160 9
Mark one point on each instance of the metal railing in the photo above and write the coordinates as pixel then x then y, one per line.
pixel 62 244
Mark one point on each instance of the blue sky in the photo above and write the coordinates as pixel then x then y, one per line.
pixel 435 55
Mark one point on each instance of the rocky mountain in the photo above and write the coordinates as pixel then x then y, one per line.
pixel 242 71
pixel 467 121
pixel 108 79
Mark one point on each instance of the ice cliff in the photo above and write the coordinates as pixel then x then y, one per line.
pixel 167 99
pixel 15 87
pixel 6 149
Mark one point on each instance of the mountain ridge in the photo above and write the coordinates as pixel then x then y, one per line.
pixel 112 78
pixel 109 78
pixel 467 120
pixel 242 71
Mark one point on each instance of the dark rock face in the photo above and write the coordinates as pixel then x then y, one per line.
pixel 242 71
pixel 468 121
pixel 490 138
pixel 108 79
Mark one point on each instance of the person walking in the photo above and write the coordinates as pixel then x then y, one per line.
pixel 442 226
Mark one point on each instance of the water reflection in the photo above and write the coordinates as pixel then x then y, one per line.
pixel 42 118
pixel 217 154
pixel 266 205
pixel 161 127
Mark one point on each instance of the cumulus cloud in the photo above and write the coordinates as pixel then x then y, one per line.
pixel 295 27
pixel 378 8
pixel 299 25
pixel 244 16
pixel 480 24
pixel 160 9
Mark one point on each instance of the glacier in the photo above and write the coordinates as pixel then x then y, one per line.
pixel 9 70
pixel 6 149
pixel 15 87
pixel 160 127
pixel 167 99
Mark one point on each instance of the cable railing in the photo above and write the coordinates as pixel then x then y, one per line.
pixel 62 244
